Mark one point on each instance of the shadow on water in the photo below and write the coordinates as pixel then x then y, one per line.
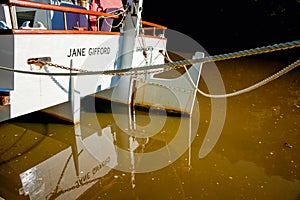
pixel 255 157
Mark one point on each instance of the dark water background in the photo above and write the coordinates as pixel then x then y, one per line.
pixel 255 157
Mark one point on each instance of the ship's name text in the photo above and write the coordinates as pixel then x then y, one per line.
pixel 87 176
pixel 93 51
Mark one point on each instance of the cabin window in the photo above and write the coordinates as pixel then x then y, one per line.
pixel 25 16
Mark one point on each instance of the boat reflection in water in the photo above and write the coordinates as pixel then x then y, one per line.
pixel 132 154
pixel 59 161
pixel 50 167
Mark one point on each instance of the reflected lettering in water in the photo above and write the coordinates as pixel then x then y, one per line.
pixel 255 157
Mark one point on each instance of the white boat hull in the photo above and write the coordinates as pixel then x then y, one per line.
pixel 29 93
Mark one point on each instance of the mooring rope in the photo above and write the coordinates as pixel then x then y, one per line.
pixel 182 63
pixel 250 88
pixel 169 65
pixel 242 91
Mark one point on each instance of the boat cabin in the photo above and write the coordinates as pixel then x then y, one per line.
pixel 57 35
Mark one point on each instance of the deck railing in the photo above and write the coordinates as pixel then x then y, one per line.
pixel 66 9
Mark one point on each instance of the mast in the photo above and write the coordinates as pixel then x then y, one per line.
pixel 136 12
pixel 130 31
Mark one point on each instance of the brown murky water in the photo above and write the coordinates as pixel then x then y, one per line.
pixel 255 156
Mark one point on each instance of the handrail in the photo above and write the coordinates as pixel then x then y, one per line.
pixel 45 6
pixel 41 31
pixel 153 24
pixel 39 5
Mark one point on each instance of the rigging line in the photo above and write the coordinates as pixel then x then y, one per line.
pixel 118 14
pixel 56 190
pixel 180 63
pixel 142 34
pixel 144 47
pixel 238 54
pixel 250 88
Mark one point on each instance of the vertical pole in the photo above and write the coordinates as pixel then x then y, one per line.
pixel 12 18
pixel 65 21
pixel 130 31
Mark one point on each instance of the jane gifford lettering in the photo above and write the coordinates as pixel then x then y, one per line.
pixel 92 51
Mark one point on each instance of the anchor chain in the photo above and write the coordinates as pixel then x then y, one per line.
pixel 41 63
pixel 148 69
pixel 137 71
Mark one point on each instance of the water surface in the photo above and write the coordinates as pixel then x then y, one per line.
pixel 256 155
